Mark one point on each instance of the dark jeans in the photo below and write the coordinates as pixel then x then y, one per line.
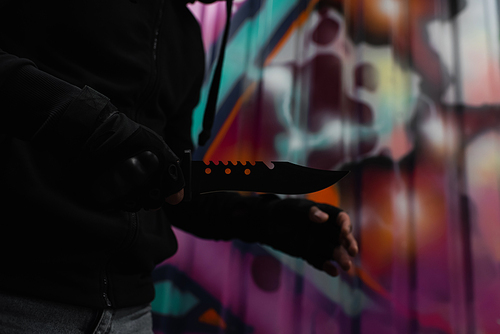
pixel 20 315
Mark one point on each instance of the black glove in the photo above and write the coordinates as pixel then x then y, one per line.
pixel 114 161
pixel 291 231
pixel 128 166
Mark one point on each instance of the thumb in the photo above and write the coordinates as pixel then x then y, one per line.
pixel 317 216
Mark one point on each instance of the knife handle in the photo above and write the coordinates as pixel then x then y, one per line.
pixel 186 171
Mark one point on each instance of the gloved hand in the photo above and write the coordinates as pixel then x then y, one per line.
pixel 128 166
pixel 317 233
pixel 110 161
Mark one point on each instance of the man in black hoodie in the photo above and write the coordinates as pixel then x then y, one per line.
pixel 96 100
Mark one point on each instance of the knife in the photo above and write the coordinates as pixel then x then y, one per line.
pixel 284 178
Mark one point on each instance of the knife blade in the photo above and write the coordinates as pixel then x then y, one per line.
pixel 284 178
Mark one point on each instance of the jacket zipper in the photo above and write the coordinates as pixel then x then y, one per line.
pixel 134 223
pixel 107 301
pixel 157 32
pixel 154 54
pixel 134 220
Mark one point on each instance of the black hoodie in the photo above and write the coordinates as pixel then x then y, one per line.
pixel 147 58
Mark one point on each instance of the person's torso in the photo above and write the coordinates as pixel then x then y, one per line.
pixel 147 57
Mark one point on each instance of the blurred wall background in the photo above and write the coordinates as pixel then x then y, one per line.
pixel 403 93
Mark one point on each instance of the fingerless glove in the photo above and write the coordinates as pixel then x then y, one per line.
pixel 290 230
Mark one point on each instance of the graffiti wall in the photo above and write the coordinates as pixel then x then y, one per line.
pixel 403 93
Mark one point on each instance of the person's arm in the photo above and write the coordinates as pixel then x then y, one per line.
pixel 31 100
pixel 83 126
pixel 317 233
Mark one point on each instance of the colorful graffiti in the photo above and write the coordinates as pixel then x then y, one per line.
pixel 403 93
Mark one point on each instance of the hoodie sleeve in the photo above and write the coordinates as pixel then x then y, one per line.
pixel 223 216
pixel 38 107
pixel 283 224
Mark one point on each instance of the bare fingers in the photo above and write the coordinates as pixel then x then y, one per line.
pixel 175 198
pixel 318 216
pixel 346 236
pixel 348 246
